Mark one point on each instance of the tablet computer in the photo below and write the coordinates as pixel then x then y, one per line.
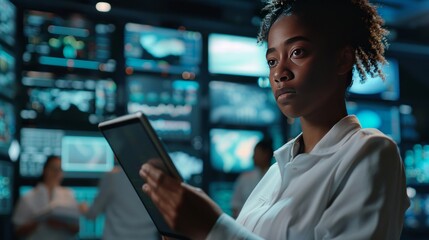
pixel 134 142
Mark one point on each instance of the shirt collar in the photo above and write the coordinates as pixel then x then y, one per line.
pixel 332 140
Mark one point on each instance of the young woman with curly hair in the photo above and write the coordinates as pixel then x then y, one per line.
pixel 335 180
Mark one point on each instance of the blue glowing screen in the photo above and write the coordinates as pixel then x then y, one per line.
pixel 7 22
pixel 155 49
pixel 7 126
pixel 52 98
pixel 8 85
pixel 382 117
pixel 236 55
pixel 234 103
pixel 171 105
pixel 231 151
pixel 6 187
pixel 84 154
pixel 375 87
pixel 67 40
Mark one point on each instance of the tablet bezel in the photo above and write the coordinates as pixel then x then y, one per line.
pixel 143 121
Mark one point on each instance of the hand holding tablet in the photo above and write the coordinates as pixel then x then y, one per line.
pixel 177 209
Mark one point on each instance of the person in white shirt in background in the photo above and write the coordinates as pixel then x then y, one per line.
pixel 48 193
pixel 333 181
pixel 246 182
pixel 125 216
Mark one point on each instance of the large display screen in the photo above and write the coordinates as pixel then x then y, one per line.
pixel 382 117
pixel 84 154
pixel 70 98
pixel 156 49
pixel 7 22
pixel 171 105
pixel 236 55
pixel 6 187
pixel 67 40
pixel 8 85
pixel 376 87
pixel 7 126
pixel 234 103
pixel 231 150
pixel 88 229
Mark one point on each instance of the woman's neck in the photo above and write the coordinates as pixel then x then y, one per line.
pixel 315 128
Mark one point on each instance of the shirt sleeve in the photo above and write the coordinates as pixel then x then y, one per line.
pixel 226 228
pixel 103 197
pixel 371 200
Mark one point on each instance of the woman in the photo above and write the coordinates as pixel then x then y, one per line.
pixel 30 216
pixel 333 181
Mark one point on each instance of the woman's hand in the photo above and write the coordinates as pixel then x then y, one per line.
pixel 186 209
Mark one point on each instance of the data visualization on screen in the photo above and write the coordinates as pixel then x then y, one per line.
pixel 67 41
pixel 74 98
pixel 242 104
pixel 231 150
pixel 84 154
pixel 171 105
pixel 156 49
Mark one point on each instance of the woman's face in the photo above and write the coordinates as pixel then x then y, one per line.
pixel 53 172
pixel 303 72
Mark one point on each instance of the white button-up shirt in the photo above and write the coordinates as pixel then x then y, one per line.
pixel 350 186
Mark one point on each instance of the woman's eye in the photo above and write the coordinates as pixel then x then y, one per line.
pixel 271 63
pixel 297 53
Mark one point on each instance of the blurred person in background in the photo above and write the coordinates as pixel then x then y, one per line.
pixel 125 216
pixel 247 181
pixel 31 216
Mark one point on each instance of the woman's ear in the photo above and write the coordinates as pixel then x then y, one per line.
pixel 346 60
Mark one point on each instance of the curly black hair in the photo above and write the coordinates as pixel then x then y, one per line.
pixel 346 22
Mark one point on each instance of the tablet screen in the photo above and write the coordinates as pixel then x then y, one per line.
pixel 133 145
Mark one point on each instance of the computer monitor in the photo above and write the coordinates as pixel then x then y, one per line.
pixel 8 84
pixel 375 87
pixel 88 229
pixel 6 187
pixel 236 55
pixel 242 104
pixel 231 150
pixel 67 40
pixel 84 154
pixel 7 126
pixel 156 49
pixel 7 22
pixel 171 105
pixel 385 118
pixel 73 98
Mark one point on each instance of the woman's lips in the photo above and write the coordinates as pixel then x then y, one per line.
pixel 284 93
